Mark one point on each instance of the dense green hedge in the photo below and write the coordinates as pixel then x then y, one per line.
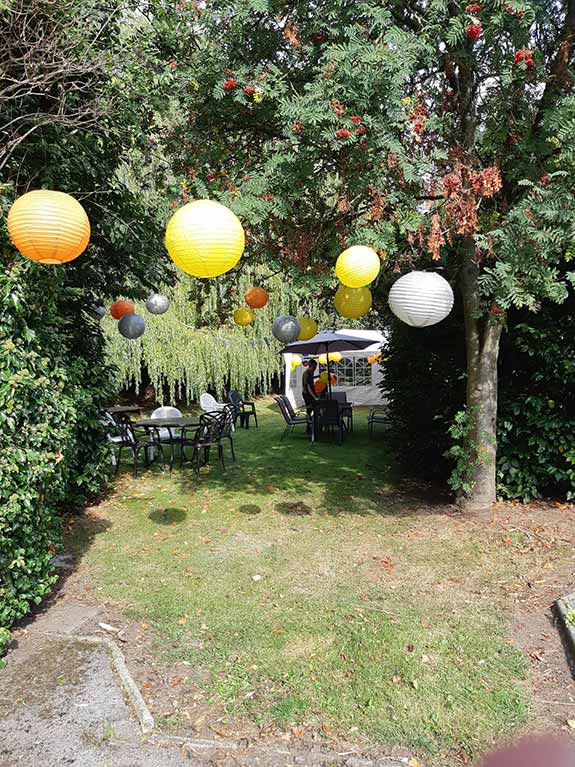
pixel 425 384
pixel 52 448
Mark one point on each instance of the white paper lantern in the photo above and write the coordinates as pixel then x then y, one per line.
pixel 157 303
pixel 421 298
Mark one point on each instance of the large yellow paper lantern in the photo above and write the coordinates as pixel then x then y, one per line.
pixel 48 227
pixel 352 302
pixel 308 328
pixel 334 356
pixel 357 266
pixel 204 238
pixel 322 359
pixel 243 316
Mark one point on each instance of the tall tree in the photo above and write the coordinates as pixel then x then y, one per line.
pixel 438 132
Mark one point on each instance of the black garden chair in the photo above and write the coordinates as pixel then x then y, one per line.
pixel 243 408
pixel 291 417
pixel 200 440
pixel 377 415
pixel 137 439
pixel 330 415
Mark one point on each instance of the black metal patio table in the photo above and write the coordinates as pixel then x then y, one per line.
pixel 174 425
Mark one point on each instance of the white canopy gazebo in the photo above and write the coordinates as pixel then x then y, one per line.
pixel 355 376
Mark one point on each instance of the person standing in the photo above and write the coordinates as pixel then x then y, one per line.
pixel 308 390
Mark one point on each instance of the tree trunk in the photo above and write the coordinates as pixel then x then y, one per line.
pixel 482 336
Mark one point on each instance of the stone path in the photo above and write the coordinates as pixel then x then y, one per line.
pixel 62 702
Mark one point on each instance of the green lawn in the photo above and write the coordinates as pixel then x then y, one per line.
pixel 311 592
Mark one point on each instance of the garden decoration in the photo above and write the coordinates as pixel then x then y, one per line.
pixel 204 238
pixel 121 308
pixel 352 302
pixel 131 326
pixel 48 227
pixel 331 379
pixel 157 303
pixel 256 298
pixel 322 359
pixel 243 316
pixel 98 312
pixel 421 299
pixel 319 386
pixel 286 328
pixel 334 357
pixel 296 361
pixel 357 266
pixel 308 328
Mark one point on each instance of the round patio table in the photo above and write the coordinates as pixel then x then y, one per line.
pixel 124 409
pixel 174 423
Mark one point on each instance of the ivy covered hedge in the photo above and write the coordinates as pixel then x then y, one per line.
pixel 53 453
pixel 424 379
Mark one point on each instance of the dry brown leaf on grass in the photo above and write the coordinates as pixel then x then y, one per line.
pixel 396 679
pixel 326 729
pixel 182 620
pixel 188 572
pixel 415 684
pixel 278 631
pixel 297 732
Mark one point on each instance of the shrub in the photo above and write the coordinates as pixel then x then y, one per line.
pixel 53 454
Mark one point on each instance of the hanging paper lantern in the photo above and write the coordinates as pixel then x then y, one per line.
pixel 421 298
pixel 371 360
pixel 323 377
pixel 99 312
pixel 296 361
pixel 308 328
pixel 322 359
pixel 204 238
pixel 352 302
pixel 157 303
pixel 243 316
pixel 286 329
pixel 256 298
pixel 335 357
pixel 131 326
pixel 120 308
pixel 357 266
pixel 319 386
pixel 49 227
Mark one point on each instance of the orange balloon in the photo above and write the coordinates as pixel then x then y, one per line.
pixel 48 227
pixel 256 298
pixel 120 308
pixel 319 386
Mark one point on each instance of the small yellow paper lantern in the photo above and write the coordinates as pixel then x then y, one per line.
pixel 352 302
pixel 243 316
pixel 296 361
pixel 204 238
pixel 334 356
pixel 357 266
pixel 308 328
pixel 323 377
pixel 48 227
pixel 322 359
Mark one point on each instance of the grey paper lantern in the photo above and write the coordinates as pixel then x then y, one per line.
pixel 157 303
pixel 131 326
pixel 286 329
pixel 421 298
pixel 99 312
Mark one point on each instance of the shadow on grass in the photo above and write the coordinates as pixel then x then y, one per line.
pixel 250 509
pixel 168 516
pixel 297 509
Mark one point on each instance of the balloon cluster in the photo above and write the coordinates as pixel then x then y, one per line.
pixel 355 268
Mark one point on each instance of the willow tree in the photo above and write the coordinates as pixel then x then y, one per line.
pixel 437 131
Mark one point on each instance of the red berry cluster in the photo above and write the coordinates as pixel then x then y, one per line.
pixel 343 133
pixel 355 119
pixel 249 90
pixel 473 31
pixel 230 84
pixel 525 55
pixel 475 8
pixel 337 107
pixel 510 10
pixel 298 127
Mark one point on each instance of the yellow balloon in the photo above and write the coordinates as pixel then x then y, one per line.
pixel 204 238
pixel 352 302
pixel 322 359
pixel 335 356
pixel 308 328
pixel 48 227
pixel 296 361
pixel 357 266
pixel 243 316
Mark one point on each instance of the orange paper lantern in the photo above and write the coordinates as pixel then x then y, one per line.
pixel 120 308
pixel 256 298
pixel 319 386
pixel 48 227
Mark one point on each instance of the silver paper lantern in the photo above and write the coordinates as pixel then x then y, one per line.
pixel 286 329
pixel 98 312
pixel 131 326
pixel 421 298
pixel 157 303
